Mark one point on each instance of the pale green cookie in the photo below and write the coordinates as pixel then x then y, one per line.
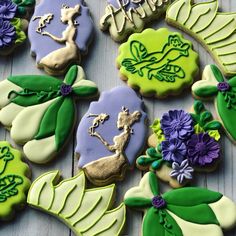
pixel 85 211
pixel 158 62
pixel 216 31
pixel 14 182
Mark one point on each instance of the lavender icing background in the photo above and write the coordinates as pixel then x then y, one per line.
pixel 111 102
pixel 43 45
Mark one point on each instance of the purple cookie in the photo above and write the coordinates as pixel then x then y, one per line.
pixel 111 135
pixel 59 32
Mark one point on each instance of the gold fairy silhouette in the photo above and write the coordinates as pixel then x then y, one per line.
pixel 63 57
pixel 115 165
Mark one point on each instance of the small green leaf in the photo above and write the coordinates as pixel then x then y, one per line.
pixel 217 73
pixel 199 214
pixel 71 75
pixel 48 123
pixel 232 81
pixel 198 107
pixel 213 125
pixel 152 152
pixel 205 117
pixel 138 202
pixel 144 160
pixel 154 184
pixel 196 118
pixel 65 121
pixel 85 91
pixel 36 82
pixel 196 196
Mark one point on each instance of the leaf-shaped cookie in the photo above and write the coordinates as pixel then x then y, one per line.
pixel 85 211
pixel 41 110
pixel 181 212
pixel 214 86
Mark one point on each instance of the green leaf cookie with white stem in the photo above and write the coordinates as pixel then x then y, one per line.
pixel 123 18
pixel 86 211
pixel 14 182
pixel 40 110
pixel 189 211
pixel 214 86
pixel 158 62
pixel 216 31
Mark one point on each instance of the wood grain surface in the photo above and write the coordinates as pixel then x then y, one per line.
pixel 100 67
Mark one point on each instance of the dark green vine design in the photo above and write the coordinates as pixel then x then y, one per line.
pixel 204 118
pixel 158 64
pixel 8 183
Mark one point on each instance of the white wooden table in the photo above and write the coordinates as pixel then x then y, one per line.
pixel 100 67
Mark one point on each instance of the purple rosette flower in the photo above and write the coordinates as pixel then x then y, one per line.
pixel 177 124
pixel 173 150
pixel 181 171
pixel 65 89
pixel 223 86
pixel 202 149
pixel 7 9
pixel 158 202
pixel 7 33
pixel 126 4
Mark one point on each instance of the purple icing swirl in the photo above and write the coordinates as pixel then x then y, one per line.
pixel 223 86
pixel 65 89
pixel 7 9
pixel 126 4
pixel 7 33
pixel 158 202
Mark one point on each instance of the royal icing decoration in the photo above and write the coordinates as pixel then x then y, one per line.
pixel 14 182
pixel 124 17
pixel 40 110
pixel 158 69
pixel 214 30
pixel 59 33
pixel 188 211
pixel 86 211
pixel 213 85
pixel 11 27
pixel 111 135
pixel 183 142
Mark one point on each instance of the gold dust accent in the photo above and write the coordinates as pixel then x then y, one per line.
pixel 111 165
pixel 61 58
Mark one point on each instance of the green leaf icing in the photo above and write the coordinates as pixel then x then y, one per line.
pixel 225 99
pixel 20 34
pixel 85 211
pixel 182 211
pixel 214 30
pixel 49 106
pixel 14 183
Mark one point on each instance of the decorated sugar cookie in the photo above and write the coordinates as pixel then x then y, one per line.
pixel 40 110
pixel 12 26
pixel 86 211
pixel 14 182
pixel 111 135
pixel 214 86
pixel 216 31
pixel 182 143
pixel 59 33
pixel 158 62
pixel 188 211
pixel 123 18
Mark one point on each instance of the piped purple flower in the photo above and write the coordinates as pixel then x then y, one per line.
pixel 7 33
pixel 202 149
pixel 181 171
pixel 158 202
pixel 223 86
pixel 173 150
pixel 177 124
pixel 7 9
pixel 65 89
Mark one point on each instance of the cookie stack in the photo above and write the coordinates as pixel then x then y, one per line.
pixel 119 135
